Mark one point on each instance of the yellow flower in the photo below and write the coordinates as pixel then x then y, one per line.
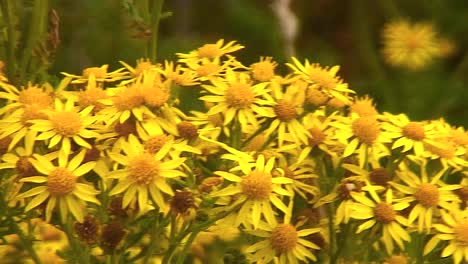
pixel 283 242
pixel 288 109
pixel 412 46
pixel 39 97
pixel 323 79
pixel 99 73
pixel 264 70
pixel 430 194
pixel 141 66
pixel 143 175
pixel 178 74
pixel 364 107
pixel 236 98
pixel 383 213
pixel 256 191
pixel 453 229
pixel 65 123
pixel 210 51
pixel 60 186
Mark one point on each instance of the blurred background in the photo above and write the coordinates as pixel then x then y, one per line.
pixel 329 32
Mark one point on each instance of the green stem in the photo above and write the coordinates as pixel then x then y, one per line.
pixel 332 230
pixel 7 11
pixel 155 19
pixel 78 251
pixel 181 258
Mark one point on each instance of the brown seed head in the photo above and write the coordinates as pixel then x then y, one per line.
pixel 187 130
pixel 285 110
pixel 60 182
pixel 384 212
pixel 427 194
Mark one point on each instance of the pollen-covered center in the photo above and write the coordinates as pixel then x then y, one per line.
pixel 155 143
pixel 384 212
pixel 364 107
pixel 264 70
pixel 316 97
pixel 142 65
pixel 322 77
pixel 316 136
pixel 414 131
pixel 284 238
pixel 427 194
pixel 60 182
pixel 459 137
pixel 366 129
pixel 91 97
pixel 128 99
pixel 98 72
pixel 156 96
pixel 257 185
pixel 209 51
pixel 461 233
pixel 35 95
pixel 240 95
pixel 66 123
pixel 285 110
pixel 143 169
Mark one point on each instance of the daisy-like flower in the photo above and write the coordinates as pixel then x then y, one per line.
pixel 142 65
pixel 284 243
pixel 364 107
pixel 236 97
pixel 178 74
pixel 447 152
pixel 362 135
pixel 31 95
pixel 412 46
pixel 65 123
pixel 256 191
pixel 143 175
pixel 210 51
pixel 430 194
pixel 60 186
pixel 90 96
pixel 383 213
pixel 323 79
pixel 409 135
pixel 264 70
pixel 287 110
pixel 99 73
pixel 454 230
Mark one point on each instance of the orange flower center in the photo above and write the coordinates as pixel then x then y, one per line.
pixel 209 51
pixel 316 97
pixel 60 182
pixel 240 95
pixel 91 97
pixel 322 77
pixel 366 129
pixel 384 212
pixel 427 194
pixel 264 70
pixel 317 136
pixel 128 99
pixel 364 107
pixel 284 238
pixel 257 185
pixel 155 143
pixel 66 123
pixel 35 95
pixel 143 169
pixel 285 110
pixel 414 131
pixel 208 69
pixel 461 233
pixel 32 112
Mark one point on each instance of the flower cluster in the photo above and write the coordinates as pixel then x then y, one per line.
pixel 287 168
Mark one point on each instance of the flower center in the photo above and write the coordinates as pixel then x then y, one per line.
pixel 60 182
pixel 459 137
pixel 25 168
pixel 285 110
pixel 257 185
pixel 366 129
pixel 336 103
pixel 364 107
pixel 128 99
pixel 384 212
pixel 414 131
pixel 98 72
pixel 322 77
pixel 346 187
pixel 461 233
pixel 32 112
pixel 35 95
pixel 380 176
pixel 143 169
pixel 317 136
pixel 91 97
pixel 316 97
pixel 240 95
pixel 187 130
pixel 427 195
pixel 142 65
pixel 66 123
pixel 209 51
pixel 208 69
pixel 156 96
pixel 283 238
pixel 182 202
pixel 155 143
pixel 264 70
